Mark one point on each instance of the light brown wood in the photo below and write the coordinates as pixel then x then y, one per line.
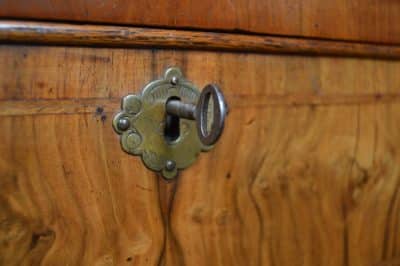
pixel 112 36
pixel 372 21
pixel 309 182
pixel 84 106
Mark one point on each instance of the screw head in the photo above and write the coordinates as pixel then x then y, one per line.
pixel 174 80
pixel 170 165
pixel 123 123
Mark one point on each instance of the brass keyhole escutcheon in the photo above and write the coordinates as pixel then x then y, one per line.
pixel 170 122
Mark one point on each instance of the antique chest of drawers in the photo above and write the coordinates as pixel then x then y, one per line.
pixel 305 172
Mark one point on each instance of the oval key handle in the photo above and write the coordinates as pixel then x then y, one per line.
pixel 208 131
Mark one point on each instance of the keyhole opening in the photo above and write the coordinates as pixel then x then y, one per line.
pixel 172 125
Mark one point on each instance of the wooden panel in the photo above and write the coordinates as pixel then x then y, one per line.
pixel 112 36
pixel 298 190
pixel 373 21
pixel 301 176
pixel 68 196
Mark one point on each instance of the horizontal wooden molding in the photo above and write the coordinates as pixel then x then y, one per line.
pixel 374 21
pixel 116 36
pixel 107 105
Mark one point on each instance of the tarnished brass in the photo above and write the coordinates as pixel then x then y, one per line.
pixel 141 124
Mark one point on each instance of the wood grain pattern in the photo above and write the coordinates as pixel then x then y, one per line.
pixel 372 21
pixel 315 183
pixel 112 36
pixel 84 106
pixel 68 196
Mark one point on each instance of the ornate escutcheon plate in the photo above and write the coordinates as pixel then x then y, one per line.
pixel 141 124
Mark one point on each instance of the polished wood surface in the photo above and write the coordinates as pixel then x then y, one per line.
pixel 111 36
pixel 371 21
pixel 301 176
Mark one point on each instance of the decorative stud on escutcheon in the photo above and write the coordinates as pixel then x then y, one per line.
pixel 169 123
pixel 123 124
pixel 169 165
